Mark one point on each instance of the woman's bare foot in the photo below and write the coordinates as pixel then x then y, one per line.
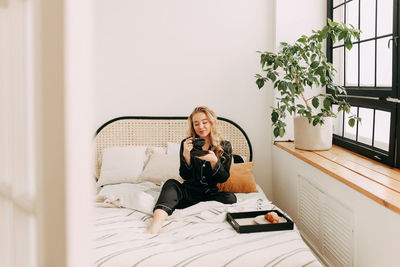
pixel 159 217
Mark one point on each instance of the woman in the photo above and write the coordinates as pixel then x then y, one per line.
pixel 201 173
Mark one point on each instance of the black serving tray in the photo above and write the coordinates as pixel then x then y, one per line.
pixel 232 216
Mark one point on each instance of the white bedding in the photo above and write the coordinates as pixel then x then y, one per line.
pixel 195 236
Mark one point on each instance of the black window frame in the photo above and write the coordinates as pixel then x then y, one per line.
pixel 373 97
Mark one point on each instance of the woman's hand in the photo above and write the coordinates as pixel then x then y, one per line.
pixel 188 146
pixel 211 157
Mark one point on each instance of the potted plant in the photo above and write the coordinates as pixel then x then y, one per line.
pixel 294 70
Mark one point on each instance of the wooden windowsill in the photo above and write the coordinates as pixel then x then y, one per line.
pixel 373 179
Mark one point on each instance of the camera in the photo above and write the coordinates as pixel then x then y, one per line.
pixel 197 150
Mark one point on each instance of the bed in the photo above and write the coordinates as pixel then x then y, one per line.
pixel 134 156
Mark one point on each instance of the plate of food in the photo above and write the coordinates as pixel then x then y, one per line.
pixel 270 217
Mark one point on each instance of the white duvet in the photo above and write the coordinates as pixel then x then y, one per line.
pixel 195 236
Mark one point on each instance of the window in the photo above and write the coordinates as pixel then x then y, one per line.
pixel 369 71
pixel 18 194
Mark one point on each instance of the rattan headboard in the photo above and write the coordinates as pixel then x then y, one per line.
pixel 158 131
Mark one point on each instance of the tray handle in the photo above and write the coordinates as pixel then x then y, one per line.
pixel 232 221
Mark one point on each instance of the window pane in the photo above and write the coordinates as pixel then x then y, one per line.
pixel 338 122
pixel 22 99
pixel 367 63
pixel 366 126
pixel 367 19
pixel 384 63
pixel 382 126
pixel 30 110
pixel 352 13
pixel 352 66
pixel 350 132
pixel 338 16
pixel 385 17
pixel 337 2
pixel 338 64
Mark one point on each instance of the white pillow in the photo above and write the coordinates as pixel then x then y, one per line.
pixel 155 149
pixel 152 150
pixel 122 164
pixel 160 168
pixel 173 148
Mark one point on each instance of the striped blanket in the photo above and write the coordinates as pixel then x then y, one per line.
pixel 195 236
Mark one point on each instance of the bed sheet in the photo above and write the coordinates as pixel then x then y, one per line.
pixel 195 236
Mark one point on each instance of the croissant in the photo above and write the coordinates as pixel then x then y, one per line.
pixel 272 217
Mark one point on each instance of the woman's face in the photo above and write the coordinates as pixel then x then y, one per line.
pixel 201 124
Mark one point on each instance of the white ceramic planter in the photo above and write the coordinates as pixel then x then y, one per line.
pixel 309 137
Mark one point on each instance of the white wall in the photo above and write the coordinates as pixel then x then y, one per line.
pixel 293 19
pixel 156 57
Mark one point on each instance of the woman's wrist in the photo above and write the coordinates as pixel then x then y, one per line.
pixel 186 156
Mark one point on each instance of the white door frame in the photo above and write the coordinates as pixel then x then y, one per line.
pixel 46 72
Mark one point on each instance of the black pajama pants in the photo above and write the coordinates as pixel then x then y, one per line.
pixel 175 195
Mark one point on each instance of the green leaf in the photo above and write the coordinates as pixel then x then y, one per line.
pixel 309 117
pixel 302 39
pixel 352 122
pixel 282 86
pixel 301 106
pixel 313 56
pixel 282 132
pixel 314 64
pixel 323 81
pixel 327 103
pixel 315 102
pixel 315 121
pixel 342 35
pixel 320 71
pixel 271 76
pixel 348 45
pixel 276 131
pixel 274 116
pixel 260 83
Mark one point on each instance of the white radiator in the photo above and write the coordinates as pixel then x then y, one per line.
pixel 326 224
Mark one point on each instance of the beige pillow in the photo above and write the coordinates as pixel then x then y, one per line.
pixel 160 168
pixel 241 179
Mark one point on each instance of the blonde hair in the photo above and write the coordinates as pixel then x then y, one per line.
pixel 215 135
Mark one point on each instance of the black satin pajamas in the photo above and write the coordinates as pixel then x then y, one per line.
pixel 200 182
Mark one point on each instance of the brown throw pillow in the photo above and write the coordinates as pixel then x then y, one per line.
pixel 241 179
